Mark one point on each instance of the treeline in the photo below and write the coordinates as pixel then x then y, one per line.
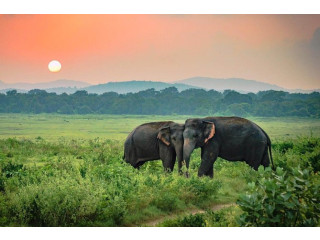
pixel 165 102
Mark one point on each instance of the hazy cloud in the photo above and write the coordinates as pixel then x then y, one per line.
pixel 277 49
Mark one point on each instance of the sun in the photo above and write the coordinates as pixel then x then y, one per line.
pixel 54 66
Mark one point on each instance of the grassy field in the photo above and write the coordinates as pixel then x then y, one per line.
pixel 67 170
pixel 53 126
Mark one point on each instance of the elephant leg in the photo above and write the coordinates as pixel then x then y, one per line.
pixel 168 165
pixel 168 157
pixel 209 154
pixel 265 159
pixel 180 164
pixel 255 155
pixel 138 165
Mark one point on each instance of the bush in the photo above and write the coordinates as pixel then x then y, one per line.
pixel 166 201
pixel 196 220
pixel 314 160
pixel 112 211
pixel 281 198
pixel 8 169
pixel 203 187
pixel 283 147
pixel 86 183
pixel 304 151
pixel 225 217
pixel 58 202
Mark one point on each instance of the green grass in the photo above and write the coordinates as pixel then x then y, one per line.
pixel 54 126
pixel 67 170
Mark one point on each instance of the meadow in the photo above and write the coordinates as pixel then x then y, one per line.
pixel 67 170
pixel 53 127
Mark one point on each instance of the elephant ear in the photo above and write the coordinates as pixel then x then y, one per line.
pixel 209 131
pixel 164 135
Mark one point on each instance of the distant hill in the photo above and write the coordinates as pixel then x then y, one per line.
pixel 69 86
pixel 62 83
pixel 237 84
pixel 134 86
pixel 218 84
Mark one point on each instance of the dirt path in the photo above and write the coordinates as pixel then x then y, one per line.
pixel 154 222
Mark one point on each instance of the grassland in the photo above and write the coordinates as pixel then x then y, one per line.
pixel 67 170
pixel 54 126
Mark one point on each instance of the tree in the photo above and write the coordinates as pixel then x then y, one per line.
pixel 235 97
pixel 11 92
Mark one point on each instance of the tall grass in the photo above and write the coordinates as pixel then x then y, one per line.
pixel 86 183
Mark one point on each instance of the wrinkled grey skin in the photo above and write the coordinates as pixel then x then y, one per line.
pixel 234 139
pixel 153 141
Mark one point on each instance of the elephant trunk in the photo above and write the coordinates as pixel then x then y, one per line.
pixel 188 148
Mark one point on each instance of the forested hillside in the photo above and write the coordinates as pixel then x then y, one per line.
pixel 163 102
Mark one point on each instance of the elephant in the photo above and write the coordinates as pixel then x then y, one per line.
pixel 153 141
pixel 231 138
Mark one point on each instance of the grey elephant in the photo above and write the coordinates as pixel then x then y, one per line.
pixel 153 141
pixel 231 138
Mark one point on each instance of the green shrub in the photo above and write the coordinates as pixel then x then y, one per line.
pixel 281 198
pixel 191 220
pixel 112 211
pixel 203 187
pixel 86 183
pixel 9 169
pixel 306 144
pixel 303 151
pixel 166 201
pixel 284 146
pixel 225 217
pixel 3 211
pixel 312 159
pixel 55 202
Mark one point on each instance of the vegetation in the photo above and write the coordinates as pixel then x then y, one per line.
pixel 282 199
pixel 81 180
pixel 87 184
pixel 224 217
pixel 165 102
pixel 60 127
pixel 288 197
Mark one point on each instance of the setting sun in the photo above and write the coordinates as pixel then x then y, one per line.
pixel 54 66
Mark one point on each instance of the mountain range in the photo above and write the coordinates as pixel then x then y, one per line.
pixel 218 84
pixel 238 84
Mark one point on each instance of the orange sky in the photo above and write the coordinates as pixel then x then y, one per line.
pixel 278 49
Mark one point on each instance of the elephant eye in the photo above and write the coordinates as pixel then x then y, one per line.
pixel 173 138
pixel 195 135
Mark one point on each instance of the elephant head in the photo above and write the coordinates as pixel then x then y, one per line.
pixel 172 136
pixel 196 134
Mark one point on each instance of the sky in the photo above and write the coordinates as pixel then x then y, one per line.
pixel 276 49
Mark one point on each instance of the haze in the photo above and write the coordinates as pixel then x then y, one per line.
pixel 276 49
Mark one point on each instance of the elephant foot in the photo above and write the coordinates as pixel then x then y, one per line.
pixel 205 175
